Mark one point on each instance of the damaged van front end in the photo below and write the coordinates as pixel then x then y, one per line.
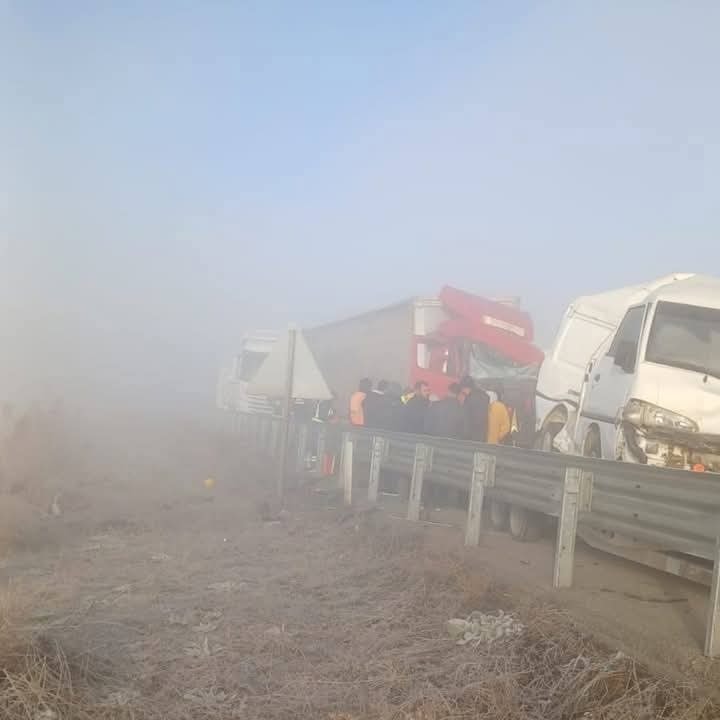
pixel 656 436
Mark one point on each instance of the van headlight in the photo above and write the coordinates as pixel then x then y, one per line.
pixel 643 414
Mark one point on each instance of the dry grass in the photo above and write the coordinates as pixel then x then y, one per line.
pixel 324 614
pixel 37 458
pixel 354 631
pixel 40 681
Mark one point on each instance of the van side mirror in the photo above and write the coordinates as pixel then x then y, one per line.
pixel 625 356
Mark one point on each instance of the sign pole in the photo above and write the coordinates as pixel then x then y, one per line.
pixel 287 409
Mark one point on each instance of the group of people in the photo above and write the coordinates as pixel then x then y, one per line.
pixel 466 412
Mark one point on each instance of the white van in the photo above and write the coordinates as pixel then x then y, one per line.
pixel 652 394
pixel 587 325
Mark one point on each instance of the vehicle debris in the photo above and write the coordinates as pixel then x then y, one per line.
pixel 484 628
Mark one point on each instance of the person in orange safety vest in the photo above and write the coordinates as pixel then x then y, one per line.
pixel 357 402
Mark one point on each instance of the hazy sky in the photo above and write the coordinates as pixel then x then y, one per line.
pixel 175 173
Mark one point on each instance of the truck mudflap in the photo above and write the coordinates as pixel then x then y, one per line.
pixel 685 566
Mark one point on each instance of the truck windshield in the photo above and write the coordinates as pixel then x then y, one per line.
pixel 251 362
pixel 685 336
pixel 485 362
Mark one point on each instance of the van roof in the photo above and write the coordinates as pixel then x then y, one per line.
pixel 702 290
pixel 610 306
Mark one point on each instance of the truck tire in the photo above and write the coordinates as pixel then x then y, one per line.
pixel 591 446
pixel 525 525
pixel 498 515
pixel 545 441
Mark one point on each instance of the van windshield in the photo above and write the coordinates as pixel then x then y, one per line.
pixel 685 336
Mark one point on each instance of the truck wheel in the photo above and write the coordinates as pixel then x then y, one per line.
pixel 546 442
pixel 498 515
pixel 591 446
pixel 525 525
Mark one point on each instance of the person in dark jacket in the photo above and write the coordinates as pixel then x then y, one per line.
pixel 416 408
pixel 445 417
pixel 475 403
pixel 378 408
pixel 396 407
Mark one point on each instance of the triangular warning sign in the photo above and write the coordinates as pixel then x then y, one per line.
pixel 308 382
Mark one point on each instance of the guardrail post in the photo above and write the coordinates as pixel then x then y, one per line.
pixel 264 440
pixel 320 450
pixel 269 436
pixel 346 476
pixel 301 448
pixel 416 484
pixel 567 530
pixel 483 476
pixel 273 449
pixel 378 450
pixel 712 629
pixel 587 482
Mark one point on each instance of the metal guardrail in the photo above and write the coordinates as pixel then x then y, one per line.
pixel 658 509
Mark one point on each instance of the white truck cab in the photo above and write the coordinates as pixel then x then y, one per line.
pixel 232 388
pixel 652 392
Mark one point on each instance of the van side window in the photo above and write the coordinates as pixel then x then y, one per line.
pixel 628 334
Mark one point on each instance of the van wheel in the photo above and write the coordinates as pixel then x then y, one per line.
pixel 525 525
pixel 498 515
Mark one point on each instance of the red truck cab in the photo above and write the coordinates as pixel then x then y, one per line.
pixel 459 334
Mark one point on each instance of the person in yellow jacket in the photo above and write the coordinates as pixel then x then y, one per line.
pixel 499 421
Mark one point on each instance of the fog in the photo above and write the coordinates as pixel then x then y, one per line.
pixel 177 174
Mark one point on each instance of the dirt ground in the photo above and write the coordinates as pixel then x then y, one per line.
pixel 154 596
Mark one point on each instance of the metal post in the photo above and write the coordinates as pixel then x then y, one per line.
pixel 567 529
pixel 417 482
pixel 347 467
pixel 269 436
pixel 378 448
pixel 287 408
pixel 264 428
pixel 320 450
pixel 272 448
pixel 483 476
pixel 712 629
pixel 302 432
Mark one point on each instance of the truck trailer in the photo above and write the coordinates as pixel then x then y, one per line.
pixel 438 340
